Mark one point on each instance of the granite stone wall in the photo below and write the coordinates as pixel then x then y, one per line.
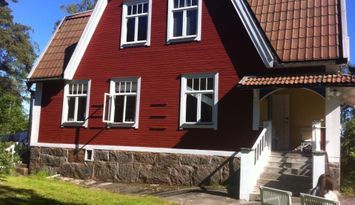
pixel 138 167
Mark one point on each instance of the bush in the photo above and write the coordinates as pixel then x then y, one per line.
pixel 6 158
pixel 348 158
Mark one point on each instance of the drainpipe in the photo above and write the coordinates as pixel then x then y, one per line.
pixel 29 85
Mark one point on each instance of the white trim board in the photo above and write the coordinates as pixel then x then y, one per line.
pixel 254 32
pixel 85 39
pixel 36 114
pixel 141 149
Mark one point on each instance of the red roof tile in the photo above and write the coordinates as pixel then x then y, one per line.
pixel 298 80
pixel 57 55
pixel 300 30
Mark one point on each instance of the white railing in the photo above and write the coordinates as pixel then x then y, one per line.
pixel 253 161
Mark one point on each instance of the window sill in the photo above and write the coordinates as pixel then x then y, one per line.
pixel 74 124
pixel 199 126
pixel 182 39
pixel 123 125
pixel 134 44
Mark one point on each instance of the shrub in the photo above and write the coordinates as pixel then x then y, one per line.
pixel 348 158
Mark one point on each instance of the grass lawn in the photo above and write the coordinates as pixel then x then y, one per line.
pixel 39 190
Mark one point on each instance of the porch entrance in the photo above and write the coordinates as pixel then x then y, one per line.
pixel 292 112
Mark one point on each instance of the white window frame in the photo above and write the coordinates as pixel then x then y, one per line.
pixel 170 22
pixel 124 42
pixel 110 109
pixel 65 109
pixel 183 98
pixel 86 155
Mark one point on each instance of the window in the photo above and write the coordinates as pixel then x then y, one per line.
pixel 184 20
pixel 121 105
pixel 89 155
pixel 199 96
pixel 76 103
pixel 136 18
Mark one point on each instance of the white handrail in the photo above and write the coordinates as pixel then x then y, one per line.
pixel 253 161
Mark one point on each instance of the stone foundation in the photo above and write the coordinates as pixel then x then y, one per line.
pixel 334 171
pixel 138 167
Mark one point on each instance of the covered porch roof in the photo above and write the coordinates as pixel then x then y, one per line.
pixel 300 80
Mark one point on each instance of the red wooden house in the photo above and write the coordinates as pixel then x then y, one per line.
pixel 170 91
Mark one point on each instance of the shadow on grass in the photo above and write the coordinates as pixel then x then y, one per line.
pixel 14 196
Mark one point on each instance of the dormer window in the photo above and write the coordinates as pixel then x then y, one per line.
pixel 184 20
pixel 136 21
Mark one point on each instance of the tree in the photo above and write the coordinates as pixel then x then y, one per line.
pixel 16 58
pixel 84 5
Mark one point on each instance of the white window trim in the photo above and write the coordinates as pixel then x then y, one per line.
pixel 183 123
pixel 86 155
pixel 65 105
pixel 170 22
pixel 112 92
pixel 124 43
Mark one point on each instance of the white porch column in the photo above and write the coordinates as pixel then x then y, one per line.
pixel 318 166
pixel 246 173
pixel 316 136
pixel 36 114
pixel 332 124
pixel 256 109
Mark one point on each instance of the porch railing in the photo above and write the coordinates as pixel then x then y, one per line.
pixel 253 161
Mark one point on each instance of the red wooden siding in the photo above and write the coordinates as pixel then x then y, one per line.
pixel 225 48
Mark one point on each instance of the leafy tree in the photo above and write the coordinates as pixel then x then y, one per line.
pixel 16 58
pixel 84 5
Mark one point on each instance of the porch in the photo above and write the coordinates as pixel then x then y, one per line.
pixel 302 115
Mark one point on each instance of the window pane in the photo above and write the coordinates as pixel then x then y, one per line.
pixel 145 8
pixel 130 108
pixel 178 24
pixel 203 83
pixel 188 2
pixel 206 107
pixel 210 84
pixel 140 8
pixel 176 3
pixel 130 29
pixel 196 84
pixel 142 28
pixel 85 88
pixel 191 108
pixel 181 3
pixel 194 2
pixel 81 109
pixel 118 117
pixel 71 109
pixel 189 84
pixel 134 9
pixel 191 22
pixel 134 87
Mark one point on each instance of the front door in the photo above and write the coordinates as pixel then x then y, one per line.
pixel 280 122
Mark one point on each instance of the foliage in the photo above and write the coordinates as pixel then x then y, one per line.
pixel 348 157
pixel 84 5
pixel 13 119
pixel 6 158
pixel 34 190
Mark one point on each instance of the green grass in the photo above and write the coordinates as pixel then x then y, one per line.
pixel 40 190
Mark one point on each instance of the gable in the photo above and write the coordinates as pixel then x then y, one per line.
pixel 61 47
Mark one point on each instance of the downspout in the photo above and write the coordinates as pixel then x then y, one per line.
pixel 29 85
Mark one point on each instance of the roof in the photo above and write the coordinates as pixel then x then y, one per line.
pixel 306 80
pixel 300 30
pixel 59 50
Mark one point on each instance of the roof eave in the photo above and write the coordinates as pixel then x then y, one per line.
pixel 34 80
pixel 254 31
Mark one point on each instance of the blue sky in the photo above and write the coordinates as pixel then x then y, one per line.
pixel 42 15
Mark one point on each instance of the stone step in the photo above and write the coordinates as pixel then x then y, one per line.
pixel 293 165
pixel 290 159
pixel 283 176
pixel 21 170
pixel 291 154
pixel 289 171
